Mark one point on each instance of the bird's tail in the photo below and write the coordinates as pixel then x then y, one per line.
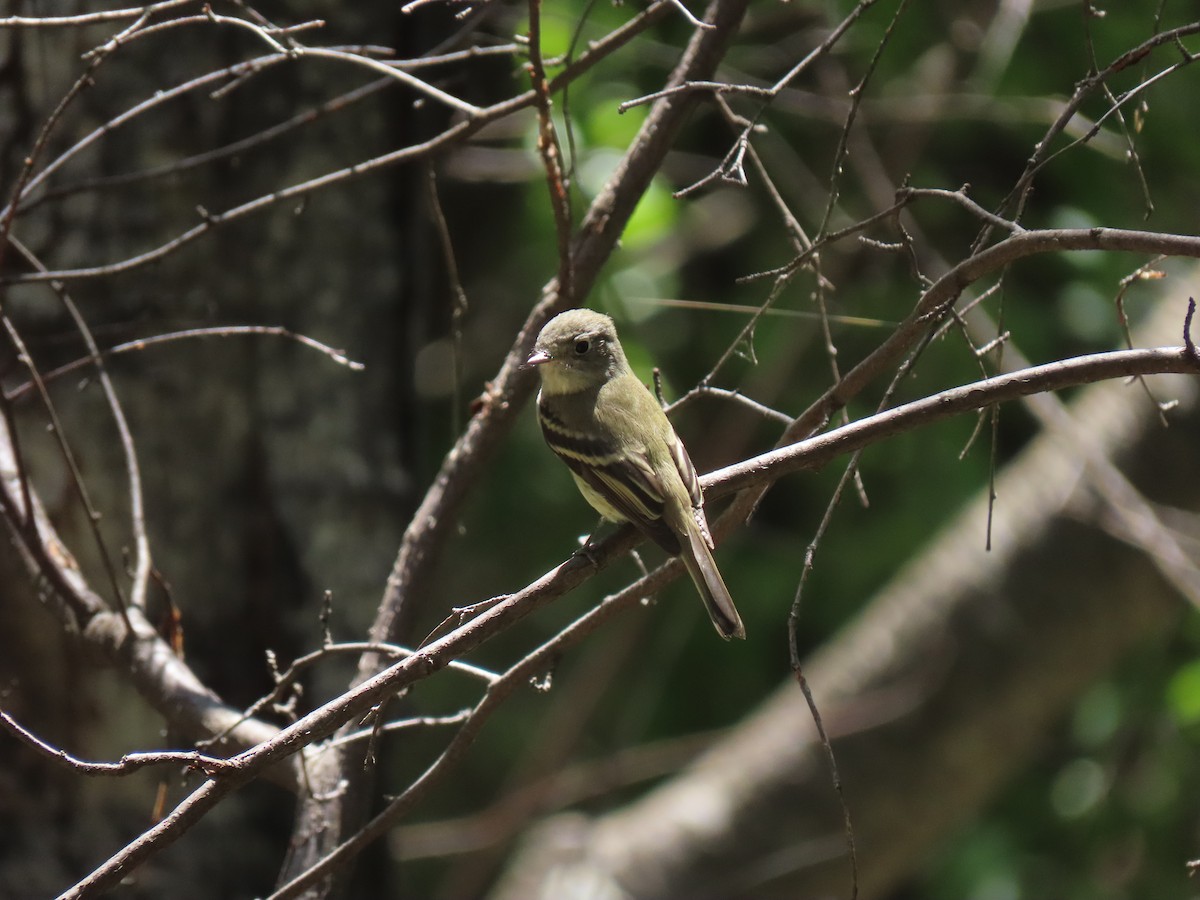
pixel 703 569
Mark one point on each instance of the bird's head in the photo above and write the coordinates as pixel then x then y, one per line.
pixel 577 350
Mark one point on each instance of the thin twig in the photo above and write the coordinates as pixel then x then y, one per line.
pixel 550 152
pixel 126 765
pixel 1188 342
pixel 759 471
pixel 72 464
pixel 457 132
pixel 217 154
pixel 133 471
pixel 218 331
pixel 458 296
pixel 95 18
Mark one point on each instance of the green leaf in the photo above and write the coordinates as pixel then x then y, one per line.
pixel 1183 694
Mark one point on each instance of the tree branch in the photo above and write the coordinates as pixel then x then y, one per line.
pixel 758 473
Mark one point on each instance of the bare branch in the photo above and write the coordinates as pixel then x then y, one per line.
pixel 126 765
pixel 220 331
pixel 112 15
pixel 758 472
pixel 816 451
pixel 452 135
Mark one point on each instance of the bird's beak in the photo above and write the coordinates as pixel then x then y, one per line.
pixel 537 358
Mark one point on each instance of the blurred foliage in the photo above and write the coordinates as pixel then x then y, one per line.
pixel 1105 811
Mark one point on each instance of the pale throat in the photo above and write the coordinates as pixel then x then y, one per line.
pixel 558 379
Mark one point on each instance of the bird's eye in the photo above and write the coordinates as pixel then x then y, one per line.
pixel 582 346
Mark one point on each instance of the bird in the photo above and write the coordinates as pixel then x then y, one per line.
pixel 624 454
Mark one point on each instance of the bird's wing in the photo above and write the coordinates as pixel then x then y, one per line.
pixel 625 481
pixel 691 481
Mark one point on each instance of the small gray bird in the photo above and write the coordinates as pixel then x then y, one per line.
pixel 623 453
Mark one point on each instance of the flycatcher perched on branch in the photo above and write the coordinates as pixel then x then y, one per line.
pixel 625 457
